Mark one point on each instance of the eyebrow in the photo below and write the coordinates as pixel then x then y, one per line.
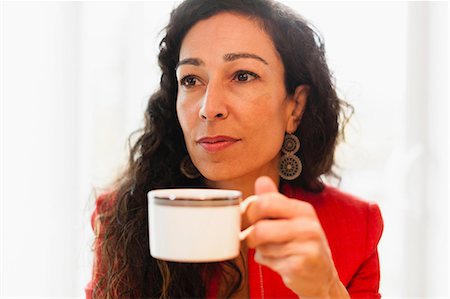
pixel 193 61
pixel 235 56
pixel 227 58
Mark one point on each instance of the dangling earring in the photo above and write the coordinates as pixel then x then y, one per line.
pixel 290 165
pixel 188 168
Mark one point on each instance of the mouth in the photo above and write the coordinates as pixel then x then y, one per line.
pixel 216 143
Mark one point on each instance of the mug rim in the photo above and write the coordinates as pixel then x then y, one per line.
pixel 195 197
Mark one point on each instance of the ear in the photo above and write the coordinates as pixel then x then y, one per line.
pixel 300 97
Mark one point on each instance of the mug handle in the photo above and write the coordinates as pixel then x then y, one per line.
pixel 243 206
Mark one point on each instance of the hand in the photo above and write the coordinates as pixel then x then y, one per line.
pixel 289 239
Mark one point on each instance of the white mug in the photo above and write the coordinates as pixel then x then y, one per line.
pixel 195 225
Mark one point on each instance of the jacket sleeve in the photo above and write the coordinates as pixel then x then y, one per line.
pixel 96 227
pixel 365 283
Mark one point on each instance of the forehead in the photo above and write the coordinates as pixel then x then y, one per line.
pixel 228 33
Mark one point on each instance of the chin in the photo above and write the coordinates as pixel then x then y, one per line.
pixel 219 174
pixel 214 177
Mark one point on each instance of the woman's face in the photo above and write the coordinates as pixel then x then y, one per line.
pixel 232 104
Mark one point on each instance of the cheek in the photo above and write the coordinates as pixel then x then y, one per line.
pixel 269 132
pixel 267 124
pixel 183 114
pixel 269 113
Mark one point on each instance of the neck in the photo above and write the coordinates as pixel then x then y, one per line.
pixel 246 183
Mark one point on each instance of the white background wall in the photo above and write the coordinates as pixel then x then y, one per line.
pixel 75 77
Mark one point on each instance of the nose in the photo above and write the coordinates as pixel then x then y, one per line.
pixel 213 106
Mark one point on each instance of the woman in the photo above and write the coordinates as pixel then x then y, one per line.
pixel 243 84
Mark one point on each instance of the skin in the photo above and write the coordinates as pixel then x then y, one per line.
pixel 223 92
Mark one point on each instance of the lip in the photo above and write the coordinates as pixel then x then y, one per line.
pixel 216 143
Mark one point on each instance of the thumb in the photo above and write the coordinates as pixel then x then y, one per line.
pixel 265 184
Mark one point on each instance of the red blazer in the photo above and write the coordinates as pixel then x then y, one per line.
pixel 353 228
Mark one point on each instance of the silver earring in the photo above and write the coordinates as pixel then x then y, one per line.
pixel 188 168
pixel 290 165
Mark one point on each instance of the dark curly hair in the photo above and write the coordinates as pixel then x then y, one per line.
pixel 124 267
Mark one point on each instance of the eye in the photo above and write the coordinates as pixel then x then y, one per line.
pixel 245 76
pixel 189 81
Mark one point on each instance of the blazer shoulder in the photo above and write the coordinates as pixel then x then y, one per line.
pixel 344 213
pixel 103 204
pixel 345 199
pixel 353 227
pixel 332 198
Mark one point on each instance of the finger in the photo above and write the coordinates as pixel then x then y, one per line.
pixel 284 250
pixel 245 224
pixel 265 260
pixel 277 206
pixel 264 184
pixel 279 265
pixel 244 205
pixel 282 231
